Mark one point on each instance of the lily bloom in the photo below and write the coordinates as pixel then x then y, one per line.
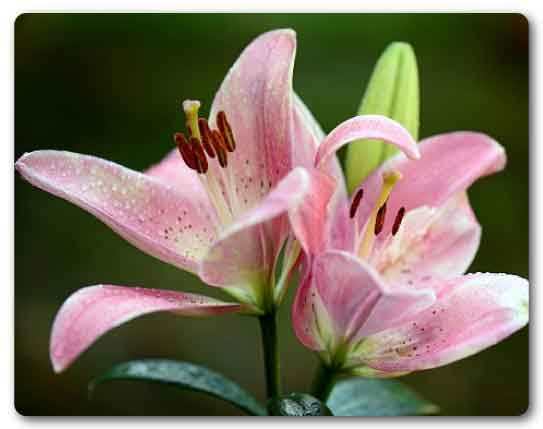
pixel 216 206
pixel 383 290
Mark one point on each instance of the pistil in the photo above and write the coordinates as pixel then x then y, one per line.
pixel 191 108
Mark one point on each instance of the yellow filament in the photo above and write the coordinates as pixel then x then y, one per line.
pixel 390 178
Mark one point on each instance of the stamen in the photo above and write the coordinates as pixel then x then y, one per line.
pixel 205 132
pixel 377 219
pixel 199 155
pixel 185 150
pixel 380 219
pixel 356 202
pixel 398 220
pixel 220 148
pixel 203 143
pixel 226 131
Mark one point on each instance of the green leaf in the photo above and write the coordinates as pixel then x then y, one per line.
pixel 373 397
pixel 297 405
pixel 393 91
pixel 186 376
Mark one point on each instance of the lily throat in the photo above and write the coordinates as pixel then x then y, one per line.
pixel 375 223
pixel 200 148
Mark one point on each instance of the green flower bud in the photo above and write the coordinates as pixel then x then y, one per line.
pixel 393 91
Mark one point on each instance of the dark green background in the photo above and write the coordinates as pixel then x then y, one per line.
pixel 110 85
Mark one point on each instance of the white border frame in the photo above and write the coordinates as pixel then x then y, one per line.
pixel 12 8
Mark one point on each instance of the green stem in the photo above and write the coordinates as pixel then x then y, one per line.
pixel 325 377
pixel 268 327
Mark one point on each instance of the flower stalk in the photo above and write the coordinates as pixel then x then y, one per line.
pixel 325 378
pixel 268 328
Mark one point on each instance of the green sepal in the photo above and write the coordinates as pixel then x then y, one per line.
pixel 297 405
pixel 392 91
pixel 376 397
pixel 183 375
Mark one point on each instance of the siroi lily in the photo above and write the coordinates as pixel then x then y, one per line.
pixel 383 289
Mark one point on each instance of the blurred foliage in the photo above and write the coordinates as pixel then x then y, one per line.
pixel 110 85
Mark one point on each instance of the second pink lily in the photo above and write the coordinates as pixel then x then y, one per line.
pixel 383 291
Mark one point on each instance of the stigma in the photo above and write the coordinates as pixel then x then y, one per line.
pixel 202 143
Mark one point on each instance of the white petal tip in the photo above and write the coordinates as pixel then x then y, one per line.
pixel 283 32
pixel 57 367
pixel 19 164
pixel 415 154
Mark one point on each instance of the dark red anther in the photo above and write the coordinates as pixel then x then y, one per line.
pixel 356 202
pixel 199 155
pixel 380 218
pixel 226 131
pixel 185 150
pixel 205 133
pixel 398 220
pixel 220 148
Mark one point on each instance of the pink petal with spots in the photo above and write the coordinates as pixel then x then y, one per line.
pixel 357 299
pixel 308 219
pixel 308 137
pixel 342 228
pixel 471 313
pixel 169 223
pixel 449 163
pixel 308 134
pixel 367 127
pixel 256 96
pixel 92 311
pixel 310 319
pixel 244 255
pixel 431 242
pixel 173 171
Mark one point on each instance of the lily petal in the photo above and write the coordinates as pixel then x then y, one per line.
pixel 243 257
pixel 449 163
pixel 308 136
pixel 171 224
pixel 256 96
pixel 430 242
pixel 92 311
pixel 357 299
pixel 472 312
pixel 310 319
pixel 308 219
pixel 367 127
pixel 173 171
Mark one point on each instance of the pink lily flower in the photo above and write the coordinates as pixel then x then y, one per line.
pixel 383 291
pixel 216 206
